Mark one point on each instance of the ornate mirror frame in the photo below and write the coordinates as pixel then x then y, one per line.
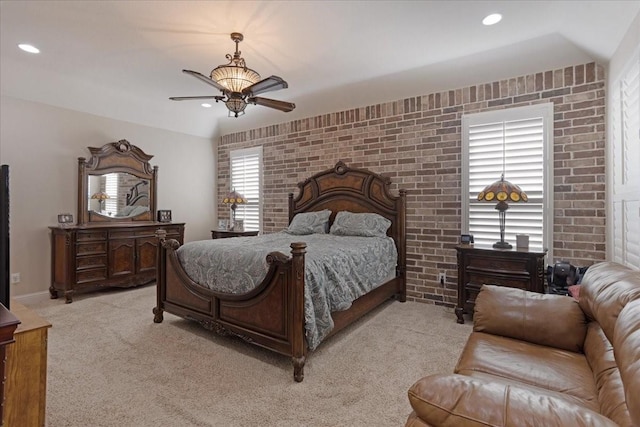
pixel 120 156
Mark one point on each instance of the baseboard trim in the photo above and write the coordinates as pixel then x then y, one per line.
pixel 34 298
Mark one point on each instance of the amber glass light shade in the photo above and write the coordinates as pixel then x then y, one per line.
pixel 502 191
pixel 234 199
pixel 100 195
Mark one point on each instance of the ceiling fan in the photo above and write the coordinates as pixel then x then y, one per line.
pixel 240 85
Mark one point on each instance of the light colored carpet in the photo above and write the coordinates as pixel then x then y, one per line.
pixel 110 365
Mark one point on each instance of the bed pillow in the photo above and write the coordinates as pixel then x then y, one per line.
pixel 309 223
pixel 360 224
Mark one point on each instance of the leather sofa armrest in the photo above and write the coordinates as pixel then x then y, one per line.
pixel 550 320
pixel 458 400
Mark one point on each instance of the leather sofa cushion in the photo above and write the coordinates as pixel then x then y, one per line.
pixel 599 353
pixel 460 401
pixel 551 320
pixel 606 288
pixel 626 345
pixel 530 364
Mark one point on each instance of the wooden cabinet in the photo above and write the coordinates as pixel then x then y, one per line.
pixel 478 266
pixel 26 370
pixel 8 324
pixel 223 234
pixel 92 256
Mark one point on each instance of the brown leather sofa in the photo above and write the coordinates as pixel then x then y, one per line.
pixel 544 360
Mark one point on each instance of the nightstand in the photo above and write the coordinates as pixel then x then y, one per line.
pixel 514 268
pixel 223 234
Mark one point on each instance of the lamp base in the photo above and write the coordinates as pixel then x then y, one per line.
pixel 502 245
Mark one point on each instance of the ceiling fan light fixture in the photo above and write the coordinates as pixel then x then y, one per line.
pixel 234 78
pixel 236 105
pixel 239 85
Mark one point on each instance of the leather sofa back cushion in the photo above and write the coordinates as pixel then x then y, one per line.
pixel 599 353
pixel 458 400
pixel 626 347
pixel 523 315
pixel 606 288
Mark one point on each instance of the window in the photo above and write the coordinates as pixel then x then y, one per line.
pixel 623 172
pixel 520 140
pixel 111 188
pixel 246 179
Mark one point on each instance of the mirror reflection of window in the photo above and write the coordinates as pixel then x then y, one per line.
pixel 111 188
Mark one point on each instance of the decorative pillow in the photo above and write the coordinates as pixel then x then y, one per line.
pixel 360 224
pixel 309 223
pixel 574 291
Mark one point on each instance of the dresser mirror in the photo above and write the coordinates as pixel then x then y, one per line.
pixel 117 184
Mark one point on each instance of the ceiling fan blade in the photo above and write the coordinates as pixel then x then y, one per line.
pixel 206 79
pixel 265 85
pixel 187 98
pixel 272 103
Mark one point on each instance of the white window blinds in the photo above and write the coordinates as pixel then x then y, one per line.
pixel 111 188
pixel 623 171
pixel 514 142
pixel 246 179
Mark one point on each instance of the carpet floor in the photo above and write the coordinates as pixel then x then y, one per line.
pixel 110 365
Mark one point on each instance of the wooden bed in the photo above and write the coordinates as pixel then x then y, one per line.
pixel 272 315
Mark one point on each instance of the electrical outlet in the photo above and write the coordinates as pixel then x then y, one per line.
pixel 15 278
pixel 442 277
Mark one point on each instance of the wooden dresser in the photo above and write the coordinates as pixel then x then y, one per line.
pixel 26 370
pixel 111 254
pixel 514 268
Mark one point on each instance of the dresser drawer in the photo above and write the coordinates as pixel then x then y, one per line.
pixel 93 275
pixel 91 248
pixel 88 236
pixel 86 262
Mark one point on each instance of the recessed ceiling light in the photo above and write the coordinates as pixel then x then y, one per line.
pixel 29 48
pixel 205 105
pixel 494 18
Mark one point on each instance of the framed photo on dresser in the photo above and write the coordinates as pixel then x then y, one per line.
pixel 164 215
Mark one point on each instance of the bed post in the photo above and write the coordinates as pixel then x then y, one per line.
pixel 402 245
pixel 298 340
pixel 160 275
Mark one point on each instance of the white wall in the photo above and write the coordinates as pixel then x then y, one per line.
pixel 41 144
pixel 623 178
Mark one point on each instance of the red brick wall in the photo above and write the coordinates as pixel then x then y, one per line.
pixel 417 142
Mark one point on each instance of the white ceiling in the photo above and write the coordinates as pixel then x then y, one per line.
pixel 123 59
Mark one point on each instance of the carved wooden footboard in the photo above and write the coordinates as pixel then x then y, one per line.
pixel 272 315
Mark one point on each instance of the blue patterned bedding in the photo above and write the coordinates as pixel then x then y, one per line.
pixel 338 269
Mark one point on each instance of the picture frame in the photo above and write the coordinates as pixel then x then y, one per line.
pixel 223 224
pixel 238 225
pixel 164 215
pixel 65 219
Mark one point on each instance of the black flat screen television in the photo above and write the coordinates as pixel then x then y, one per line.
pixel 5 282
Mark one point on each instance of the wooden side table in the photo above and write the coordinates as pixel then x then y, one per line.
pixel 514 268
pixel 223 234
pixel 26 370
